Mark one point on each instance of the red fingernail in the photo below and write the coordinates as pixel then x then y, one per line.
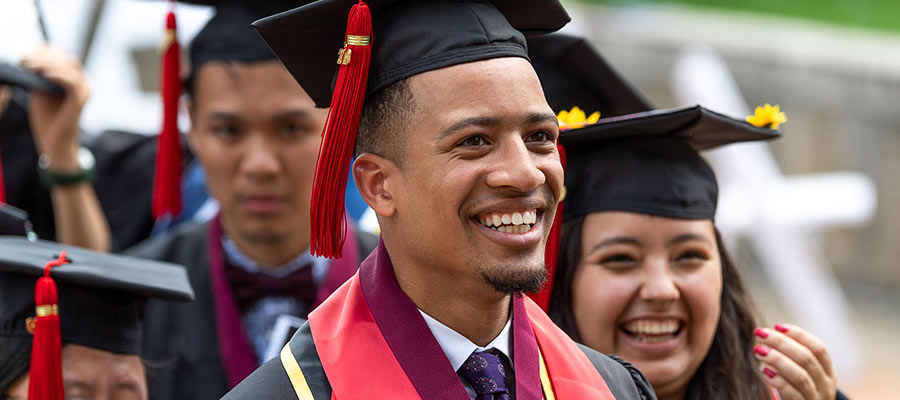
pixel 781 328
pixel 760 350
pixel 769 372
pixel 761 333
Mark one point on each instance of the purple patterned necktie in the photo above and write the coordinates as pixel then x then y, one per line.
pixel 485 372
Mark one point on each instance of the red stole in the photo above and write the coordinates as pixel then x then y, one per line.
pixel 238 357
pixel 373 343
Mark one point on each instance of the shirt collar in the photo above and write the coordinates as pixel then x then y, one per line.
pixel 237 258
pixel 458 348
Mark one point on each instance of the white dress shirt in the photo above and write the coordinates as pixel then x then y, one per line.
pixel 458 348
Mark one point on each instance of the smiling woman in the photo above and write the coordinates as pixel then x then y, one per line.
pixel 663 294
pixel 650 280
pixel 643 272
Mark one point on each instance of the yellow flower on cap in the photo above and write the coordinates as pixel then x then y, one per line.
pixel 576 118
pixel 767 115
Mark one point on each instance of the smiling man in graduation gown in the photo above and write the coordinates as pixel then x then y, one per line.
pixel 457 156
pixel 256 133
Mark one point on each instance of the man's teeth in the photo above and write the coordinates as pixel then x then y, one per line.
pixel 654 327
pixel 517 222
pixel 513 228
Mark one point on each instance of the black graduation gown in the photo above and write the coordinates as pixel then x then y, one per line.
pixel 181 344
pixel 20 174
pixel 271 381
pixel 124 184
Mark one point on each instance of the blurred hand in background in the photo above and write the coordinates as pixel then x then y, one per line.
pixel 54 120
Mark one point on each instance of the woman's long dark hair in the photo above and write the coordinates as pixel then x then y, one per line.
pixel 729 371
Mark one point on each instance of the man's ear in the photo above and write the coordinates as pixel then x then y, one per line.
pixel 375 177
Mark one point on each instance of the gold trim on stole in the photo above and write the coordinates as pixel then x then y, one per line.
pixel 298 381
pixel 545 379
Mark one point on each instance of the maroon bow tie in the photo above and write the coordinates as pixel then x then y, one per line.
pixel 249 287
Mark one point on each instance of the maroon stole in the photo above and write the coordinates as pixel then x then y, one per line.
pixel 238 357
pixel 373 343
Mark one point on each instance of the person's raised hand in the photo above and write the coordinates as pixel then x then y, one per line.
pixel 796 363
pixel 54 120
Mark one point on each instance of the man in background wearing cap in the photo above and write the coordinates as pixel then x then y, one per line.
pixel 256 134
pixel 94 314
pixel 457 156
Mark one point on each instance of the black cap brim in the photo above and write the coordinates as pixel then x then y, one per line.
pixel 17 76
pixel 141 277
pixel 696 125
pixel 306 39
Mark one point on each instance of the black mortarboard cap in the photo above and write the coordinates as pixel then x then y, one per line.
pixel 633 159
pixel 15 75
pixel 23 26
pixel 100 300
pixel 228 36
pixel 409 37
pixel 649 162
pixel 575 75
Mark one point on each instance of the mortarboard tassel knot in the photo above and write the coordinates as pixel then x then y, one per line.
pixel 328 226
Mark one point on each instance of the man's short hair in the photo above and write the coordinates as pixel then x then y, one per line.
pixel 189 84
pixel 385 118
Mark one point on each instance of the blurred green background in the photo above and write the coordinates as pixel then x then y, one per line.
pixel 878 14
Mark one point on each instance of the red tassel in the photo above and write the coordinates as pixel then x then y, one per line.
pixel 45 376
pixel 551 253
pixel 327 224
pixel 167 179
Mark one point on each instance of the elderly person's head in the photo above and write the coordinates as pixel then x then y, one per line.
pixel 93 311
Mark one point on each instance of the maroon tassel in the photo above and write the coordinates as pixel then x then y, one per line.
pixel 167 179
pixel 328 226
pixel 45 376
pixel 551 253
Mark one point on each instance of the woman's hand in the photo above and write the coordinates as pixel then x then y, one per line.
pixel 796 363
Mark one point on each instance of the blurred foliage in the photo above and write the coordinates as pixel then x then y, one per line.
pixel 879 14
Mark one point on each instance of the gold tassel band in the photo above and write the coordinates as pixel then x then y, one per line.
pixel 356 40
pixel 167 41
pixel 46 310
